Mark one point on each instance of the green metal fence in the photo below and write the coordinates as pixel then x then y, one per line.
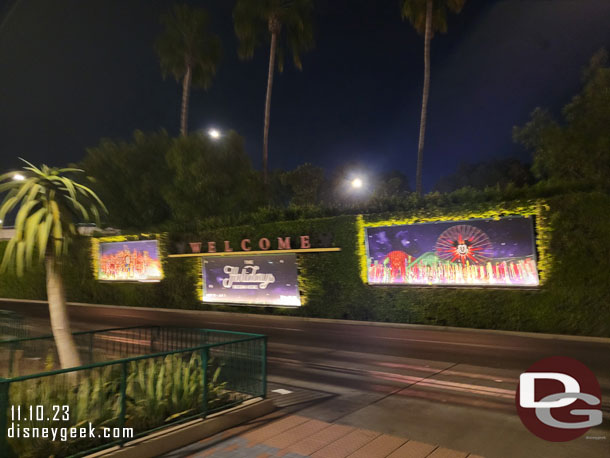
pixel 12 325
pixel 144 378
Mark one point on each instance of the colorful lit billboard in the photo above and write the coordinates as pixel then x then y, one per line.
pixel 130 261
pixel 256 279
pixel 472 252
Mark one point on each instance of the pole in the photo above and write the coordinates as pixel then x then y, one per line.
pixel 204 381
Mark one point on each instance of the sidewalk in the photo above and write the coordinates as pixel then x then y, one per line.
pixel 294 436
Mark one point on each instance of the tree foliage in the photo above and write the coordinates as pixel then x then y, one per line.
pixel 210 178
pixel 305 184
pixel 415 12
pixel 254 18
pixel 577 147
pixel 154 178
pixel 188 42
pixel 49 205
pixel 498 172
pixel 188 50
pixel 390 185
pixel 129 175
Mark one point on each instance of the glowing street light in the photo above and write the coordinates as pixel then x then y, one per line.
pixel 214 134
pixel 357 183
pixel 18 177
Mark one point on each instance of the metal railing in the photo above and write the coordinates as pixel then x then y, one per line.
pixel 12 325
pixel 144 378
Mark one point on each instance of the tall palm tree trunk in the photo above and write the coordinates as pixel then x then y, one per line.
pixel 424 103
pixel 186 92
pixel 66 348
pixel 274 29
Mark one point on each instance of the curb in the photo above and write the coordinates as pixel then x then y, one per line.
pixel 175 437
pixel 533 335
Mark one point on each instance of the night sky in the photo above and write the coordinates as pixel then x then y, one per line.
pixel 73 71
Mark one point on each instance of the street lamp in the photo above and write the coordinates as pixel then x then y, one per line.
pixel 18 177
pixel 357 183
pixel 214 134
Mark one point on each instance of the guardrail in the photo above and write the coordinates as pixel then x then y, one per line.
pixel 144 378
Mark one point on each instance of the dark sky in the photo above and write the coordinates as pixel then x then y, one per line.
pixel 73 71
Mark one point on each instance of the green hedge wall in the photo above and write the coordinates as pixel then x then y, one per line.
pixel 574 299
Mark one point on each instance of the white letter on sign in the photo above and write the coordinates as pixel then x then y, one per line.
pixel 527 389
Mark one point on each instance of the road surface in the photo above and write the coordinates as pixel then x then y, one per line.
pixel 454 388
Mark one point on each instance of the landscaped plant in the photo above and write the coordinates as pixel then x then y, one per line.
pixel 49 205
pixel 158 391
pixel 162 390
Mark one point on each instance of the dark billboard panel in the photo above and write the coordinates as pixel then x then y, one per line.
pixel 472 252
pixel 130 261
pixel 255 279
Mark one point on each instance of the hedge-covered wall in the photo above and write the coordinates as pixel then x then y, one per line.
pixel 573 245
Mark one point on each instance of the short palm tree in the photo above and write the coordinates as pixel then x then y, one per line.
pixel 285 23
pixel 49 204
pixel 189 51
pixel 427 17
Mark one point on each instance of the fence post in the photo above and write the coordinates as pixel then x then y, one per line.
pixel 11 359
pixel 4 386
pixel 154 336
pixel 91 348
pixel 264 366
pixel 204 380
pixel 123 397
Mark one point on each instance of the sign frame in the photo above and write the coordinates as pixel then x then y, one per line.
pixel 456 221
pixel 281 257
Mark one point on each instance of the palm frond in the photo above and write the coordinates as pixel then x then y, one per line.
pixel 8 254
pixel 414 11
pixel 188 41
pixel 44 231
pixel 8 204
pixel 22 215
pixel 19 257
pixel 252 19
pixel 32 225
pixel 49 206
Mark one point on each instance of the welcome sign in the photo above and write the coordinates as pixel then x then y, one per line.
pixel 251 280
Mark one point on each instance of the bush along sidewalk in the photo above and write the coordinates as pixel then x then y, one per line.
pixel 158 391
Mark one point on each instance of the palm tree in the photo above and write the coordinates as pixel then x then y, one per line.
pixel 189 51
pixel 427 17
pixel 49 205
pixel 285 23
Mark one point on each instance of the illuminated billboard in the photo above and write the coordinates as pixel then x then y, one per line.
pixel 130 261
pixel 251 280
pixel 472 252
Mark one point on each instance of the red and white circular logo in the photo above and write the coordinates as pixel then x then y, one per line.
pixel 558 399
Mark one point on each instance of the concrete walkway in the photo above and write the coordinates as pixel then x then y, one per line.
pixel 295 436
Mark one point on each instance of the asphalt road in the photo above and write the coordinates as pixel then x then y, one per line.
pixel 454 388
